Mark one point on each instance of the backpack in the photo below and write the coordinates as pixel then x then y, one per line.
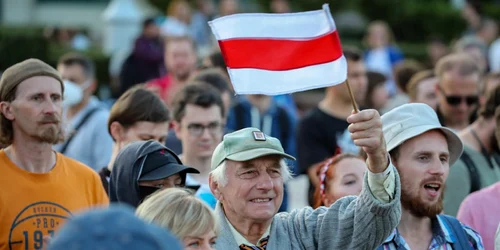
pixel 475 182
pixel 461 237
pixel 456 228
pixel 84 120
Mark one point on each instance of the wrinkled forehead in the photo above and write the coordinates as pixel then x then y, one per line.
pixel 269 161
pixel 454 83
pixel 39 85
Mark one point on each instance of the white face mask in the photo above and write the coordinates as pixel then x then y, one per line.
pixel 73 93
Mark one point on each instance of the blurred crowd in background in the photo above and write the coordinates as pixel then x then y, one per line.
pixel 173 87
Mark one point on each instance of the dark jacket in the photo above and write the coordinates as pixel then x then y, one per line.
pixel 123 184
pixel 143 64
pixel 104 173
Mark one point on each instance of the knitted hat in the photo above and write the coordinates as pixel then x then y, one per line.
pixel 19 72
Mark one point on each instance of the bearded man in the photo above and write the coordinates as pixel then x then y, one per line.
pixel 423 151
pixel 39 187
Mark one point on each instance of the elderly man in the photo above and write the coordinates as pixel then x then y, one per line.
pixel 248 172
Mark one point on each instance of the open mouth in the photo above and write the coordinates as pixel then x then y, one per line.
pixel 433 187
pixel 261 200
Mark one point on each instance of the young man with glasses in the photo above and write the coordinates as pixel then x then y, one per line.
pixel 457 90
pixel 479 165
pixel 199 113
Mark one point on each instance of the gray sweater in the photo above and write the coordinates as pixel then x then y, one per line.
pixel 350 223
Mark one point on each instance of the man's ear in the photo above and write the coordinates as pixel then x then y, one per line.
pixel 177 129
pixel 437 90
pixel 214 187
pixel 6 110
pixel 93 87
pixel 117 131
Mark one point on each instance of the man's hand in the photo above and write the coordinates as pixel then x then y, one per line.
pixel 366 132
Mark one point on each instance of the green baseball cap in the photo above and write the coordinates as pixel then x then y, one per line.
pixel 247 144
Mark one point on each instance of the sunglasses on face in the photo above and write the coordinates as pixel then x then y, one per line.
pixel 456 100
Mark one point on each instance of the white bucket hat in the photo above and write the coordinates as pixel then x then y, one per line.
pixel 410 120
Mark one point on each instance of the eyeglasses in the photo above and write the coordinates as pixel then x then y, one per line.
pixel 456 100
pixel 196 129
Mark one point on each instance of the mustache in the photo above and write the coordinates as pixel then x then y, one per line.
pixel 438 179
pixel 51 118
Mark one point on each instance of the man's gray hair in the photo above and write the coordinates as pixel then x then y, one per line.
pixel 219 174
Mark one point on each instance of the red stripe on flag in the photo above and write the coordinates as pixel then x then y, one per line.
pixel 280 54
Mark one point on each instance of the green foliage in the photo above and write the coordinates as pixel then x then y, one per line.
pixel 20 43
pixel 411 20
pixel 491 10
pixel 101 61
pixel 160 4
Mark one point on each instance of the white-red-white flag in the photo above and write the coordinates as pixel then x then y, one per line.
pixel 275 54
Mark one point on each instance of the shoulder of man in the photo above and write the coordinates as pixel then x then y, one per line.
pixel 76 166
pixel 458 170
pixel 89 178
pixel 457 188
pixel 309 123
pixel 473 237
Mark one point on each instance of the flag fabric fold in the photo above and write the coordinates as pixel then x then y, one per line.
pixel 276 54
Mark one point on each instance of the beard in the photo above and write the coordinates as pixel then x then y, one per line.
pixel 411 201
pixel 183 75
pixel 53 134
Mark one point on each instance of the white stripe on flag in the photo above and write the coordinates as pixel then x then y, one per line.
pixel 267 82
pixel 258 25
pixel 265 53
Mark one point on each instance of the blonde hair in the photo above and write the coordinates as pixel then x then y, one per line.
pixel 179 211
pixel 415 80
pixel 461 63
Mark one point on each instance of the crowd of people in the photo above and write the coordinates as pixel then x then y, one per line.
pixel 181 162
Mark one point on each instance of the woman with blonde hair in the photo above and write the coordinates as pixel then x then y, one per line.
pixel 180 212
pixel 339 176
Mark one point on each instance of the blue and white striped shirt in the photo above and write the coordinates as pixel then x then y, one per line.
pixel 442 238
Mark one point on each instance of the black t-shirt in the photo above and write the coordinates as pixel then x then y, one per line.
pixel 318 137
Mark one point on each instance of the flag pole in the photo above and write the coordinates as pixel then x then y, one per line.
pixel 353 101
